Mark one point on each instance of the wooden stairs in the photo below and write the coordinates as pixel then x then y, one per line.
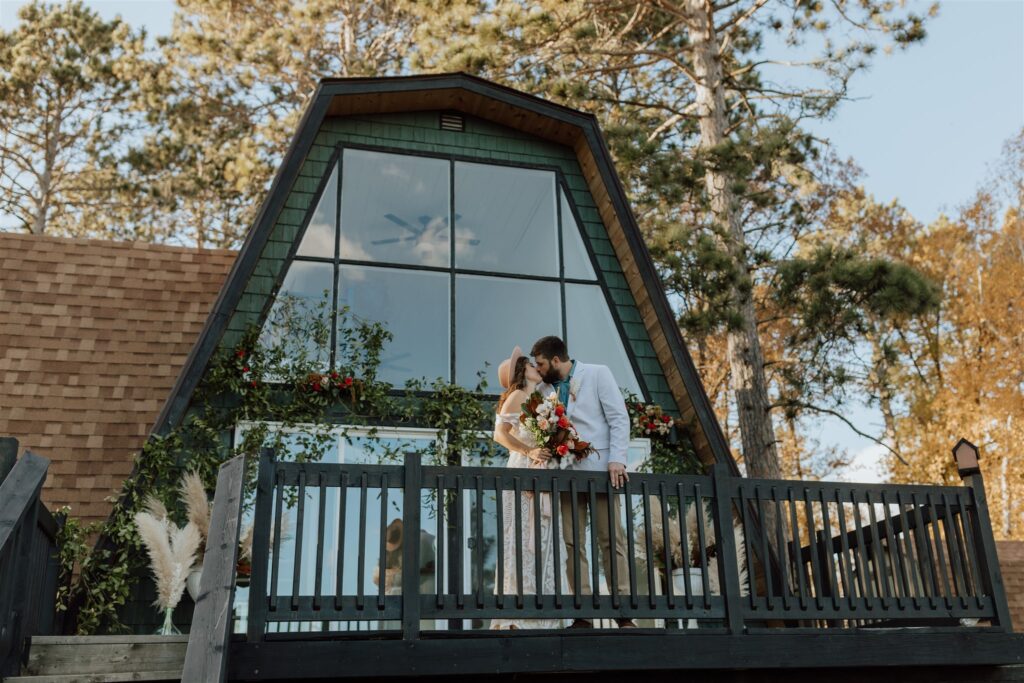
pixel 103 659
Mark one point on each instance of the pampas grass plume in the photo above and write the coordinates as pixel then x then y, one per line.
pixel 172 552
pixel 197 505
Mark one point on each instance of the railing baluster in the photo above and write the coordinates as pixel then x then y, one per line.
pixel 881 566
pixel 279 521
pixel 383 549
pixel 928 574
pixel 914 586
pixel 863 565
pixel 478 533
pixel 798 562
pixel 460 540
pixel 538 547
pixel 595 563
pixel 702 536
pixel 829 551
pixel 634 600
pixel 815 578
pixel 899 580
pixel 613 525
pixel 499 496
pixel 972 549
pixel 576 550
pixel 299 523
pixel 556 542
pixel 666 545
pixel 780 523
pixel 648 543
pixel 339 590
pixel 519 540
pixel 744 506
pixel 940 555
pixel 442 549
pixel 684 543
pixel 321 514
pixel 846 576
pixel 955 554
pixel 361 555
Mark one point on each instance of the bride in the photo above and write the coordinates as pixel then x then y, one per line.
pixel 520 378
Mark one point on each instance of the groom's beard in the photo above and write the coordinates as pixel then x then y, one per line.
pixel 551 376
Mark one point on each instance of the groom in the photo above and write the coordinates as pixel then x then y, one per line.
pixel 596 407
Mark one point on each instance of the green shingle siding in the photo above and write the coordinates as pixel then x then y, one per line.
pixel 481 140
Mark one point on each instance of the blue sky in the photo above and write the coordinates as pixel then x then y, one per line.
pixel 924 124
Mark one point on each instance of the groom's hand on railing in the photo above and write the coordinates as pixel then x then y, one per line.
pixel 539 455
pixel 617 472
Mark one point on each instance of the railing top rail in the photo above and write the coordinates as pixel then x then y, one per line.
pixel 19 491
pixel 749 485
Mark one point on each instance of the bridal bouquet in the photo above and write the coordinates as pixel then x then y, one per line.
pixel 545 419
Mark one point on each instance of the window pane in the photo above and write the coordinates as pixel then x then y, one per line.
pixel 394 208
pixel 577 260
pixel 493 314
pixel 505 220
pixel 299 320
pixel 414 305
pixel 318 240
pixel 592 335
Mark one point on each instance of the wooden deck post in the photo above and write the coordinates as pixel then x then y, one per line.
pixel 966 455
pixel 257 619
pixel 206 657
pixel 728 568
pixel 19 507
pixel 411 547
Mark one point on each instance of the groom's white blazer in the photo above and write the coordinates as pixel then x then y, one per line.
pixel 599 413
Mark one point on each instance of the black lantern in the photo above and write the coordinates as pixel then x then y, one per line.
pixel 966 455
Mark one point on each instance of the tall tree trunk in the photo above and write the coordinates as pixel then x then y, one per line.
pixel 746 359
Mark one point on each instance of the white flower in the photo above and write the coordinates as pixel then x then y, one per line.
pixel 553 397
pixel 574 387
pixel 543 410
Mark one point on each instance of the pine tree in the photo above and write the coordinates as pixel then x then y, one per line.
pixel 66 79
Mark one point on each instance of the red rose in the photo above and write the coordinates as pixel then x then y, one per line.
pixel 563 422
pixel 562 449
pixel 666 418
pixel 252 384
pixel 559 411
pixel 245 369
pixel 348 381
pixel 651 426
pixel 640 406
pixel 240 353
pixel 334 375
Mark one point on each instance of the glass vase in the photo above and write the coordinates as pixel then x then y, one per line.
pixel 168 628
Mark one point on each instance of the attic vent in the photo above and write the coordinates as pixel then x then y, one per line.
pixel 454 122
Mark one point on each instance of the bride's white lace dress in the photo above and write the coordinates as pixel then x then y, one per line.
pixel 528 531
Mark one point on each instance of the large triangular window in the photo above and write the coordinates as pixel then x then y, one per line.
pixel 462 260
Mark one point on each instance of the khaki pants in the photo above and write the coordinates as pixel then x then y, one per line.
pixel 600 520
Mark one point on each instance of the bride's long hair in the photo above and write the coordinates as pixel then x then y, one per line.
pixel 517 382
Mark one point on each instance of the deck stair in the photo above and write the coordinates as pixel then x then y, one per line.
pixel 103 659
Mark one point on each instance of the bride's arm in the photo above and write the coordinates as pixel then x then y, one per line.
pixel 503 433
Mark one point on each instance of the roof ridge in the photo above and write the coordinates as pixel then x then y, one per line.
pixel 141 245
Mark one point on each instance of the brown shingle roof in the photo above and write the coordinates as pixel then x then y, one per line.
pixel 92 336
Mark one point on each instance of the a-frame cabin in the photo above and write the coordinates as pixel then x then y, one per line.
pixel 468 217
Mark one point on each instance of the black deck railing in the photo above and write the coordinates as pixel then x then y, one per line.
pixel 753 554
pixel 29 571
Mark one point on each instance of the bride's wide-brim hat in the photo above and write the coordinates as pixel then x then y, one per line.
pixel 508 366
